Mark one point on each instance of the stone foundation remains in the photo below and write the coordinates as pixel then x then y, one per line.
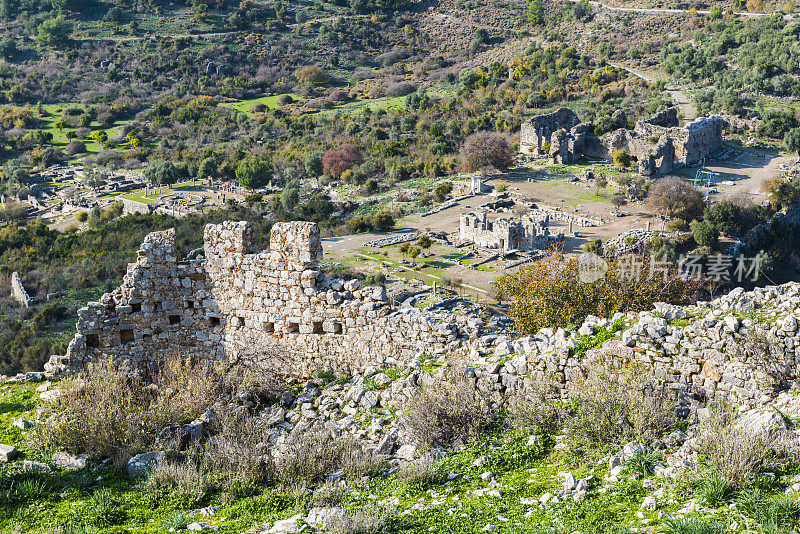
pixel 273 310
pixel 659 145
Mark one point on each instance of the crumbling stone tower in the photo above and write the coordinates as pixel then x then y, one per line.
pixel 274 310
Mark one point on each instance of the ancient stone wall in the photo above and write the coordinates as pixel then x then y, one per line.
pixel 659 145
pixel 133 206
pixel 18 290
pixel 542 129
pixel 274 310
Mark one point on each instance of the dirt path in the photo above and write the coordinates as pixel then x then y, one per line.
pixel 681 100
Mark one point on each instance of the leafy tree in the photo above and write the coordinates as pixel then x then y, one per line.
pixel 792 140
pixel 336 161
pixel 113 16
pixel 13 172
pixel 777 124
pixel 581 9
pixel 53 33
pixel 705 234
pixel 485 150
pixel 208 169
pixel 8 48
pixel 383 220
pixel 313 163
pixel 781 192
pixel 311 75
pixel 724 216
pixel 442 190
pixel 675 198
pixel 290 196
pixel 160 173
pixel 424 241
pixel 253 172
pixel 94 179
pixel 621 158
pixel 320 205
pixel 6 9
pixel 536 12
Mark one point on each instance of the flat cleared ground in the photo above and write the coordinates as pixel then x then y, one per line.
pixel 547 186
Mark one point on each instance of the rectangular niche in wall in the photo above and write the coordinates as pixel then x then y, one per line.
pixel 136 307
pixel 126 335
pixel 213 322
pixel 318 327
pixel 174 319
pixel 293 328
pixel 93 341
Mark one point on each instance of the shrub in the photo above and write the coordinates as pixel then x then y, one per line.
pixel 612 406
pixel 420 473
pixel 308 458
pixel 185 479
pixel 116 415
pixel 734 452
pixel 75 147
pixel 538 410
pixel 235 460
pixel 368 520
pixel 549 292
pixel 447 410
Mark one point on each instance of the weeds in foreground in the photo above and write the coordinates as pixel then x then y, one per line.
pixel 736 453
pixel 642 463
pixel 447 410
pixel 613 406
pixel 691 526
pixel 714 490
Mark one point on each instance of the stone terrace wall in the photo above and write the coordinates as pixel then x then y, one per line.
pixel 274 310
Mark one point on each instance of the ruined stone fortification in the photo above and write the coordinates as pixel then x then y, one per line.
pixel 274 310
pixel 659 145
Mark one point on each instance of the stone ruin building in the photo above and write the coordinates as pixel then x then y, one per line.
pixel 658 145
pixel 273 310
pixel 505 234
